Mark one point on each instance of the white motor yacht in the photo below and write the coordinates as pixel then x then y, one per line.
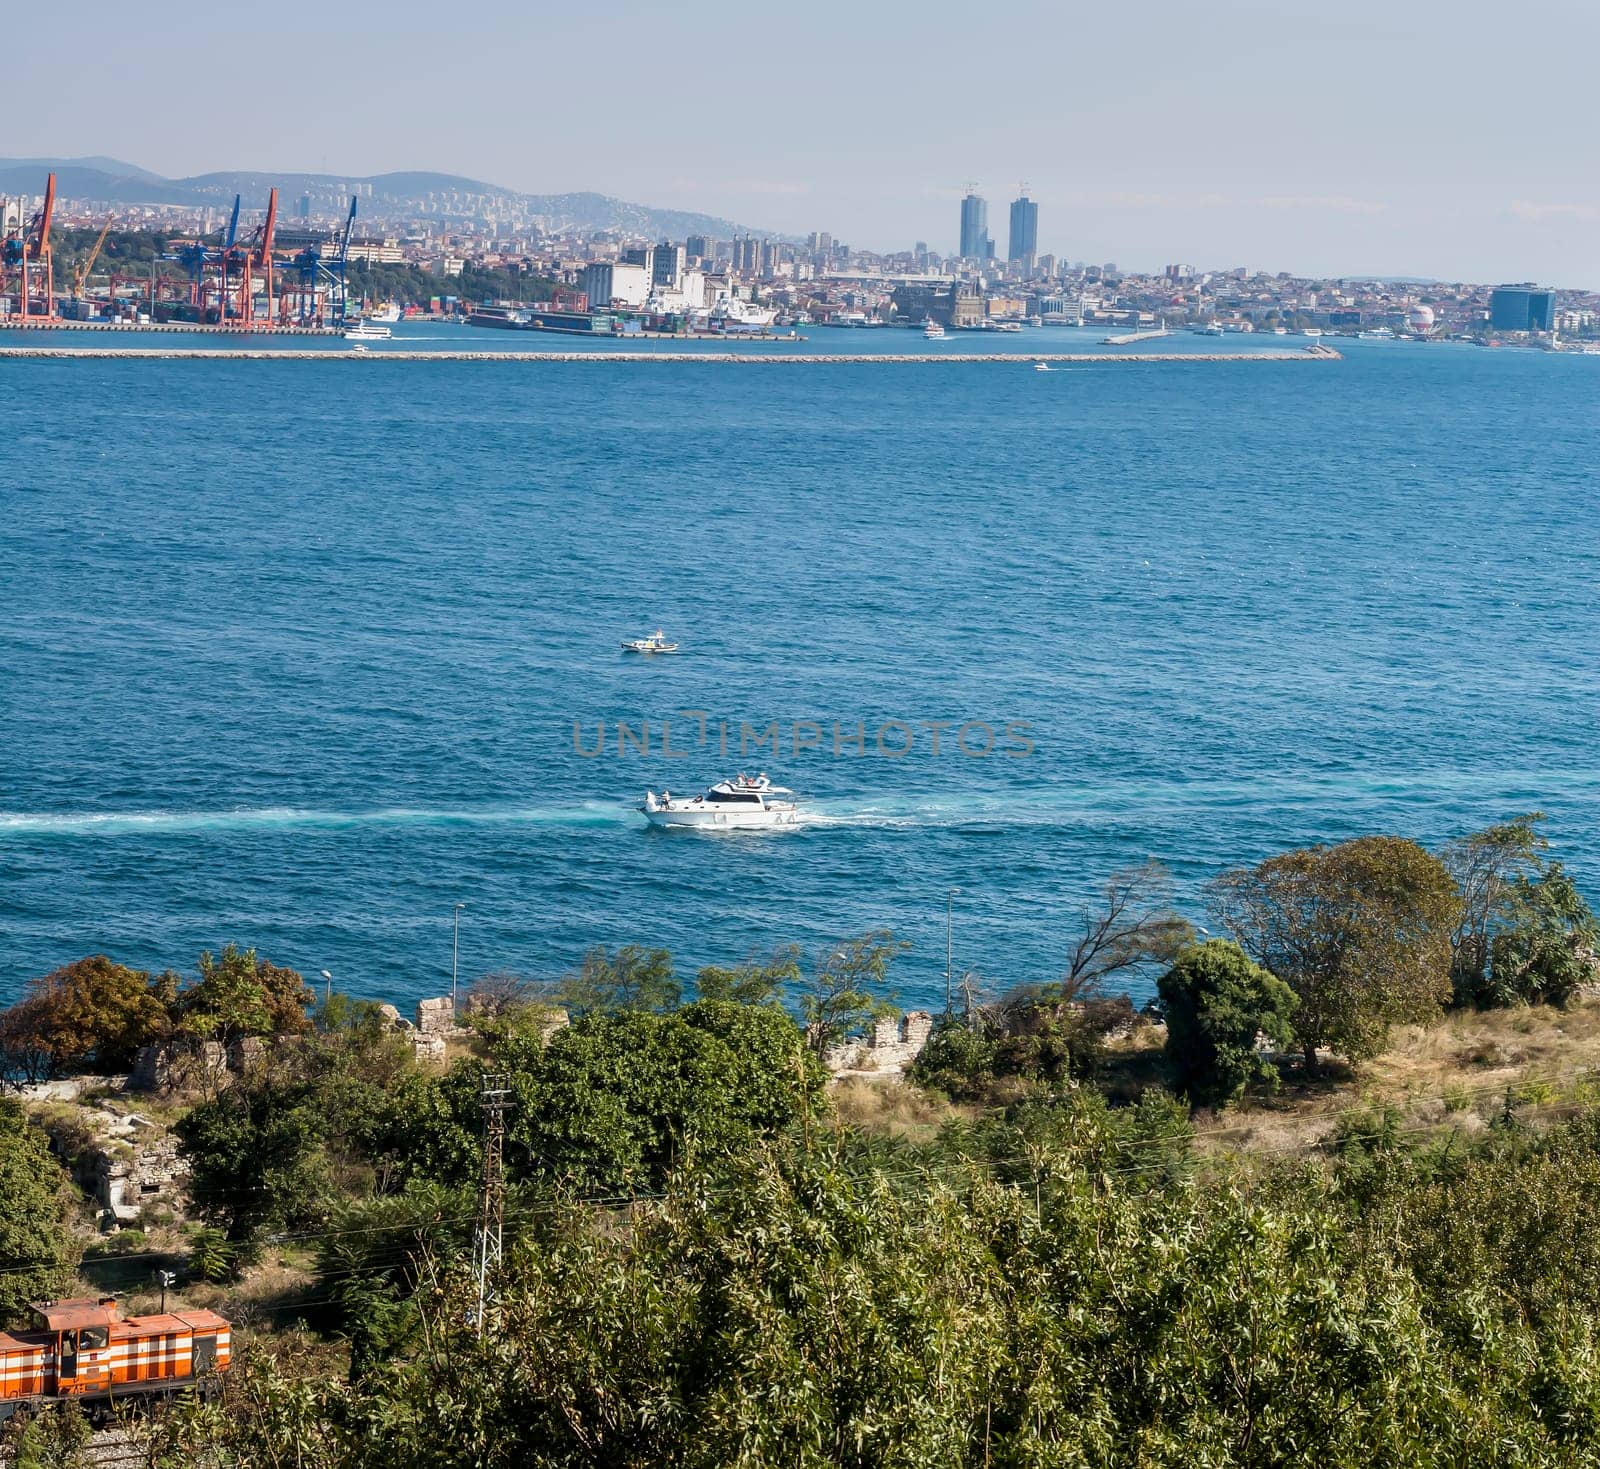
pixel 366 331
pixel 655 643
pixel 743 803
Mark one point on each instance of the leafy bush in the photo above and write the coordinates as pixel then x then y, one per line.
pixel 1216 1002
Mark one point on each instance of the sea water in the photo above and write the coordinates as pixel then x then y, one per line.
pixel 300 655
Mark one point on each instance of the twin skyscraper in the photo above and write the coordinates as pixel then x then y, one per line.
pixel 1023 244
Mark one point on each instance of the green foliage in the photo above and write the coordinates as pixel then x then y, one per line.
pixel 849 987
pixel 1485 865
pixel 1216 1002
pixel 256 1158
pixel 1546 946
pixel 58 1438
pixel 615 1101
pixel 373 1257
pixel 635 978
pixel 1361 932
pixel 211 1256
pixel 412 285
pixel 958 1060
pixel 36 1244
pixel 753 982
pixel 238 994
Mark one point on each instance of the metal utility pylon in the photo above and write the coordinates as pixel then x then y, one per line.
pixel 488 1239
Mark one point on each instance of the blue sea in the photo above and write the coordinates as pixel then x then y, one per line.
pixel 301 654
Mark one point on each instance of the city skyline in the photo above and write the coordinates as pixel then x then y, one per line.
pixel 1243 146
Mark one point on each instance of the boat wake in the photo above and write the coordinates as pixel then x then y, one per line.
pixel 295 818
pixel 1374 794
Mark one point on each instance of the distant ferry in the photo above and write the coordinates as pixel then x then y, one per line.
pixel 1313 331
pixel 1377 334
pixel 730 311
pixel 387 312
pixel 932 330
pixel 366 331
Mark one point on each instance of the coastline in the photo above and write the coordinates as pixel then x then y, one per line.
pixel 1311 354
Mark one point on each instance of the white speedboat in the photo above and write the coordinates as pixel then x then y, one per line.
pixel 932 330
pixel 366 331
pixel 740 804
pixel 655 643
pixel 1043 367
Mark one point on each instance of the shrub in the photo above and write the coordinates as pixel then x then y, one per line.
pixel 1216 1002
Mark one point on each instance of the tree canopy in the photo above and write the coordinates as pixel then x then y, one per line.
pixel 1361 932
pixel 1215 1002
pixel 39 1250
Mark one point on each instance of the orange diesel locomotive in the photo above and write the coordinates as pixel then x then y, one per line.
pixel 84 1352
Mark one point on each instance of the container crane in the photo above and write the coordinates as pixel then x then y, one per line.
pixel 30 254
pixel 317 275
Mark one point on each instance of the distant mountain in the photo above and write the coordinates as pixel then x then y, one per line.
pixel 109 181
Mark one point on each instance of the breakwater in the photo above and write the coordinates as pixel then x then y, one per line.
pixel 791 359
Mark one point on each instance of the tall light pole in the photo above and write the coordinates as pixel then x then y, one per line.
pixel 455 955
pixel 949 949
pixel 327 990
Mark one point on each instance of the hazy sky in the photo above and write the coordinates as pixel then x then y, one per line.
pixel 1456 139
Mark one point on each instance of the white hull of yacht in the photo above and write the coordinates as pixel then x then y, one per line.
pixel 706 817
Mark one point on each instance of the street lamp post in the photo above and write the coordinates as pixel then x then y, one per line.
pixel 455 955
pixel 949 949
pixel 327 988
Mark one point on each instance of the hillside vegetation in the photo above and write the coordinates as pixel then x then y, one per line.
pixel 1333 1200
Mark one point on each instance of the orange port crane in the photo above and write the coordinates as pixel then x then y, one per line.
pixel 241 264
pixel 30 255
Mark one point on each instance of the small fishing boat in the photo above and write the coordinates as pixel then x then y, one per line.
pixel 655 643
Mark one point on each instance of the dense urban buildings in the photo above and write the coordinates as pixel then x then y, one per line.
pixel 629 269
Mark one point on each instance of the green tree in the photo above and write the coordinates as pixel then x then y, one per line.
pixel 849 987
pixel 1216 1002
pixel 256 1158
pixel 36 1241
pixel 958 1060
pixel 1547 945
pixel 1486 866
pixel 1361 932
pixel 755 982
pixel 634 978
pixel 239 994
pixel 615 1101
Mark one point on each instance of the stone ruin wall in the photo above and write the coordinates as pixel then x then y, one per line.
pixel 887 1049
